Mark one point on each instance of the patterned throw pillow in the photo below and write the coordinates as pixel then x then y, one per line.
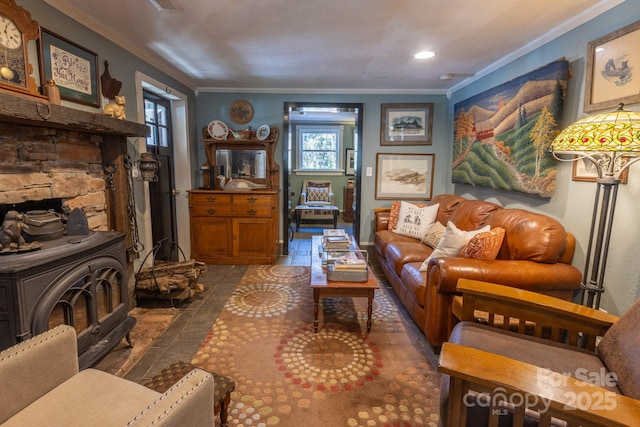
pixel 317 194
pixel 414 221
pixel 484 245
pixel 434 234
pixel 395 211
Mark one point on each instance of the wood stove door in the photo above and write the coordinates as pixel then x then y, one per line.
pixel 91 298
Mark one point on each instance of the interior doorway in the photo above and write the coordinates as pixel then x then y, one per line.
pixel 299 114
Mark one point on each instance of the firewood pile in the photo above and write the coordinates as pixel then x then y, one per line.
pixel 170 280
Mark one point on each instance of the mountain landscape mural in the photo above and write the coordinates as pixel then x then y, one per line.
pixel 502 136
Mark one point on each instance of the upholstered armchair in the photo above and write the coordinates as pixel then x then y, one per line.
pixel 316 203
pixel 550 362
pixel 316 193
pixel 42 386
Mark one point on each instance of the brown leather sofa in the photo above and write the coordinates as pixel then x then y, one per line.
pixel 536 255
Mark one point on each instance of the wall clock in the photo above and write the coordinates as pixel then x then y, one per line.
pixel 16 29
pixel 241 112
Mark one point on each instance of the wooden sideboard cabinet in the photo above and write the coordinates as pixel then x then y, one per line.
pixel 234 227
pixel 347 212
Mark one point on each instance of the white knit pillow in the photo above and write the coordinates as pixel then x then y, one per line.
pixel 452 243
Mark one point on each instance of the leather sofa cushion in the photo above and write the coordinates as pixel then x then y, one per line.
pixel 415 282
pixel 530 236
pixel 472 214
pixel 448 203
pixel 619 350
pixel 383 238
pixel 399 253
pixel 538 352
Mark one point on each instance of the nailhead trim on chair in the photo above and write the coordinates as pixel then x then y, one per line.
pixel 38 339
pixel 173 405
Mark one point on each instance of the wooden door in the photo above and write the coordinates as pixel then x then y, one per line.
pixel 162 191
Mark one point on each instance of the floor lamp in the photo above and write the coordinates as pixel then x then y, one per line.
pixel 612 142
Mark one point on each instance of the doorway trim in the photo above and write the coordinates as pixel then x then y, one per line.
pixel 286 220
pixel 182 156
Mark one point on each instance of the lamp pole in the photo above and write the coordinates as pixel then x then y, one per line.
pixel 603 209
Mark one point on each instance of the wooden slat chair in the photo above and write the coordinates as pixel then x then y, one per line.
pixel 493 375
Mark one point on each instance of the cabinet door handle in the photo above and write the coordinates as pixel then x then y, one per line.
pixel 252 211
pixel 211 199
pixel 252 199
pixel 211 211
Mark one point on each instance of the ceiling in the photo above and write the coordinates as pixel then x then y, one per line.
pixel 329 45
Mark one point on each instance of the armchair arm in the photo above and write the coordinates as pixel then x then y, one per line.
pixel 187 403
pixel 561 320
pixel 534 276
pixel 521 388
pixel 27 372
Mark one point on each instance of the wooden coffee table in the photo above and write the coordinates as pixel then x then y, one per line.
pixel 328 288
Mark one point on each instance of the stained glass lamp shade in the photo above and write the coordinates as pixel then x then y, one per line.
pixel 612 142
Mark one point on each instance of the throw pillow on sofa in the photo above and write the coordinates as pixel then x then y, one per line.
pixel 484 245
pixel 395 212
pixel 414 221
pixel 434 234
pixel 452 243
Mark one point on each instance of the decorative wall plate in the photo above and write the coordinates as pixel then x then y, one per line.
pixel 241 112
pixel 263 132
pixel 218 129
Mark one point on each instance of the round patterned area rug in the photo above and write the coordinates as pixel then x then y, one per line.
pixel 287 375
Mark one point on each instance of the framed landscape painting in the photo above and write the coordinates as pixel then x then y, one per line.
pixel 406 124
pixel 404 176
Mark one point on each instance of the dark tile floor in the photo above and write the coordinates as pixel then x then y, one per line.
pixel 183 337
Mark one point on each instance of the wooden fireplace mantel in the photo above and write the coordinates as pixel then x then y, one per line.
pixel 28 112
pixel 25 111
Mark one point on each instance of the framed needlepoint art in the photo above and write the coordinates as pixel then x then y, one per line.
pixel 73 68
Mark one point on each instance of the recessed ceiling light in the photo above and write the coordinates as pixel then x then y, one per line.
pixel 425 54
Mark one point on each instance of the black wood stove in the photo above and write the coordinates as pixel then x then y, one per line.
pixel 76 280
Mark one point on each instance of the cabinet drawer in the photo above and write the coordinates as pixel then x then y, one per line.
pixel 252 199
pixel 211 209
pixel 207 199
pixel 230 210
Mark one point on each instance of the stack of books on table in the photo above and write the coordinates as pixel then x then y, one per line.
pixel 357 264
pixel 350 266
pixel 335 239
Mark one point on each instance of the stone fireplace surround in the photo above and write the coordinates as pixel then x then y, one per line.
pixel 52 169
pixel 53 157
pixel 51 154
